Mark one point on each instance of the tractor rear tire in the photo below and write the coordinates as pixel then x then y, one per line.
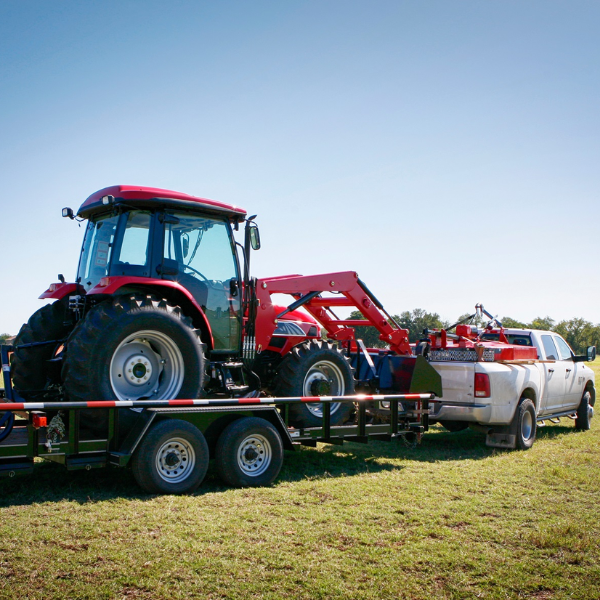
pixel 132 348
pixel 30 370
pixel 315 368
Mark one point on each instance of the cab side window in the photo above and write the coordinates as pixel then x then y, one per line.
pixel 563 349
pixel 549 348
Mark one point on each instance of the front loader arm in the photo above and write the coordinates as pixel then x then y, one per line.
pixel 308 292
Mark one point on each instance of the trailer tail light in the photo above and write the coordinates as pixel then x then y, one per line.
pixel 39 420
pixel 482 385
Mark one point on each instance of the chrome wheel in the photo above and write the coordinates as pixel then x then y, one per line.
pixel 147 364
pixel 175 460
pixel 324 378
pixel 526 425
pixel 254 455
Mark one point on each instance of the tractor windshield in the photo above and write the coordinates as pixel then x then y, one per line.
pixel 95 253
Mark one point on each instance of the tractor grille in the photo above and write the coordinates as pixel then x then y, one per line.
pixel 460 355
pixel 249 349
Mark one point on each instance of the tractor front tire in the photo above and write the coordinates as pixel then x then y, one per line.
pixel 315 368
pixel 30 368
pixel 132 348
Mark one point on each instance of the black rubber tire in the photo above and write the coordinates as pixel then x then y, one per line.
pixel 90 349
pixel 171 437
pixel 583 420
pixel 29 367
pixel 292 379
pixel 454 426
pixel 258 437
pixel 524 424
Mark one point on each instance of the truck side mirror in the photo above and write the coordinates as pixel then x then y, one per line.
pixel 591 353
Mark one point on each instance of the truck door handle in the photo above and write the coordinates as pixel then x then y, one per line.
pixel 550 370
pixel 568 370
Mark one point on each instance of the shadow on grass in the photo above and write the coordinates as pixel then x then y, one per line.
pixel 51 482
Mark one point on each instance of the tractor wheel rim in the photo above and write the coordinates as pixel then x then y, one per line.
pixel 254 455
pixel 175 460
pixel 527 426
pixel 146 364
pixel 324 371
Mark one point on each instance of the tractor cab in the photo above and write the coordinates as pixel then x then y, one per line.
pixel 186 248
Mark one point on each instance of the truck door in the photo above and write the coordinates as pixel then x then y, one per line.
pixel 573 383
pixel 555 377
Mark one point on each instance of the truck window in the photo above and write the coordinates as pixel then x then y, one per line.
pixel 549 348
pixel 563 348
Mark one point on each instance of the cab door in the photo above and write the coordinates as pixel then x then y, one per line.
pixel 573 381
pixel 555 372
pixel 199 254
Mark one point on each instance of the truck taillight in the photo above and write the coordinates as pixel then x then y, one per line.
pixel 482 385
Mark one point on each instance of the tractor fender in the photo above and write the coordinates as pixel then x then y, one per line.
pixel 57 291
pixel 171 290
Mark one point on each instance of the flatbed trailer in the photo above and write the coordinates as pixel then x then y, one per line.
pixel 171 441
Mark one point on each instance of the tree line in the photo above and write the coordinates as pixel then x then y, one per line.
pixel 578 333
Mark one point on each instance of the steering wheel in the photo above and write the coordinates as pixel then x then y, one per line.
pixel 195 271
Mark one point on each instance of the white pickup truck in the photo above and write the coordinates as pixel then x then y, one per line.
pixel 507 399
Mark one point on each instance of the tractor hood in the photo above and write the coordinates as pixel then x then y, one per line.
pixel 147 197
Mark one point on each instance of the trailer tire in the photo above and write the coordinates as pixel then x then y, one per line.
pixel 30 369
pixel 249 453
pixel 130 348
pixel 315 368
pixel 525 424
pixel 171 459
pixel 585 412
pixel 454 426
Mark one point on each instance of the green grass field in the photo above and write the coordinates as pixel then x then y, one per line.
pixel 450 519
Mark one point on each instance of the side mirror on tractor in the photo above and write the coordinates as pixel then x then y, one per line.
pixel 254 236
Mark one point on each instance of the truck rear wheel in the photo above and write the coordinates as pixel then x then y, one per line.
pixel 525 424
pixel 315 368
pixel 585 412
pixel 171 459
pixel 30 368
pixel 132 348
pixel 249 453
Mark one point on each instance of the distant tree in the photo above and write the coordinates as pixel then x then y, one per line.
pixel 509 322
pixel 542 323
pixel 579 334
pixel 4 337
pixel 418 320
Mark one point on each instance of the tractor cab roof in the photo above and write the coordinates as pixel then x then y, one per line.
pixel 148 197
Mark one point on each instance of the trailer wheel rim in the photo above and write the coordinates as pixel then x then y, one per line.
pixel 254 455
pixel 175 460
pixel 527 425
pixel 324 374
pixel 147 364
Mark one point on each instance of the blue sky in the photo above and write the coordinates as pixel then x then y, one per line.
pixel 448 151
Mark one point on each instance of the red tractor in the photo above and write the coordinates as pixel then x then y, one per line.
pixel 164 307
